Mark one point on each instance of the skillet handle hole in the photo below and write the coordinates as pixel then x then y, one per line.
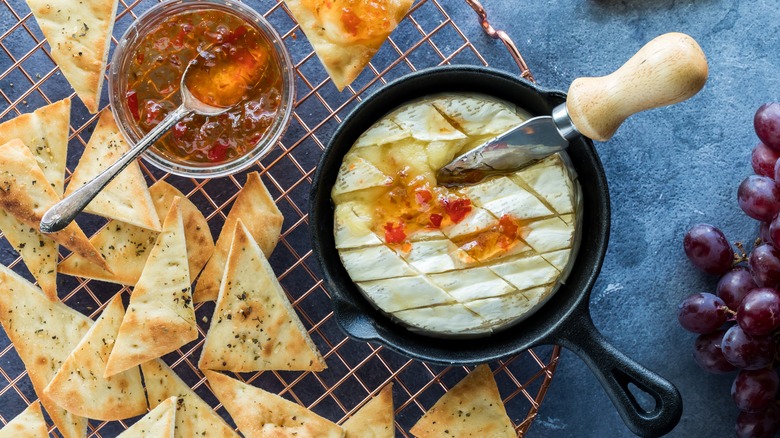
pixel 645 401
pixel 642 400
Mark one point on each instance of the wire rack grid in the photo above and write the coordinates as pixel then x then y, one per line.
pixel 427 37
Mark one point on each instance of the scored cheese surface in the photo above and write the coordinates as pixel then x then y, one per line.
pixel 448 262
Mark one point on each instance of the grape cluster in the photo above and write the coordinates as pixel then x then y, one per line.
pixel 739 325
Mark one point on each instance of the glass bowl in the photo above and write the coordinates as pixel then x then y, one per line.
pixel 117 80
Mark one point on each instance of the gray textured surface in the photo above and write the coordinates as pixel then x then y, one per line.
pixel 667 169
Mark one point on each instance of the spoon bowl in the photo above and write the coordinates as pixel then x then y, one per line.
pixel 192 103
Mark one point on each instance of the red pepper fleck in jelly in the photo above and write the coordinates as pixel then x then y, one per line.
pixel 394 232
pixel 132 104
pixel 508 226
pixel 423 196
pixel 219 150
pixel 436 220
pixel 457 208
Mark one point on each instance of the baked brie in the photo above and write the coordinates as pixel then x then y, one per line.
pixel 452 262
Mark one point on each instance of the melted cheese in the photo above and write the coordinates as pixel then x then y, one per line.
pixel 353 226
pixel 357 174
pixel 426 123
pixel 486 117
pixel 373 263
pixel 384 132
pixel 441 279
pixel 395 294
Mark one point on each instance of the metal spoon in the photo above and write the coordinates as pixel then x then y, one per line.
pixel 63 212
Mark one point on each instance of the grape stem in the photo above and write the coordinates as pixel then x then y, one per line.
pixel 740 255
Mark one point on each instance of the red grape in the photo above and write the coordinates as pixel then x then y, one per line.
pixel 759 197
pixel 747 352
pixel 708 249
pixel 765 265
pixel 734 285
pixel 758 424
pixel 767 124
pixel 702 313
pixel 748 295
pixel 759 313
pixel 774 231
pixel 776 174
pixel 755 391
pixel 763 160
pixel 709 356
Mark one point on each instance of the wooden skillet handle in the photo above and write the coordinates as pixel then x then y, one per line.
pixel 669 69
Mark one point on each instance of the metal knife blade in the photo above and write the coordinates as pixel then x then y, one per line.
pixel 517 148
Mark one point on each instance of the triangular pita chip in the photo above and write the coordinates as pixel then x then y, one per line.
pixel 28 424
pixel 43 333
pixel 160 317
pixel 345 34
pixel 194 417
pixel 127 197
pixel 472 408
pixel 126 247
pixel 45 132
pixel 263 219
pixel 160 422
pixel 26 194
pixel 38 251
pixel 79 34
pixel 375 419
pixel 79 385
pixel 200 244
pixel 260 414
pixel 254 326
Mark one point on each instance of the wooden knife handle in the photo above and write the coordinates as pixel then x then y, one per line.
pixel 667 70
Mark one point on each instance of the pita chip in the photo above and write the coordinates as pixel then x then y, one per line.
pixel 375 419
pixel 472 408
pixel 79 34
pixel 26 194
pixel 200 244
pixel 45 132
pixel 160 422
pixel 346 35
pixel 160 317
pixel 79 385
pixel 126 247
pixel 28 424
pixel 38 251
pixel 261 414
pixel 44 333
pixel 194 417
pixel 254 327
pixel 127 197
pixel 255 207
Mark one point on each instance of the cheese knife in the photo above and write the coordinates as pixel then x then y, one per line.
pixel 667 70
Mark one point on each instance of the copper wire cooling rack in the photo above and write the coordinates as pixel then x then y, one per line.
pixel 427 37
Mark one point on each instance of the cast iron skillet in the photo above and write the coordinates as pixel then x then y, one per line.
pixel 564 320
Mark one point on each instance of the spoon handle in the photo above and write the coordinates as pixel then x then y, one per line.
pixel 63 212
